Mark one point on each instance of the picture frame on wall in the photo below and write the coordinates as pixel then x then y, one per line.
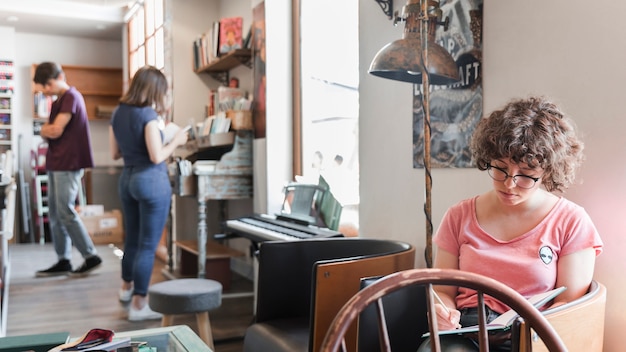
pixel 456 109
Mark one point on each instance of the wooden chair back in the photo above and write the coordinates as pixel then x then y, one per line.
pixel 335 339
pixel 579 323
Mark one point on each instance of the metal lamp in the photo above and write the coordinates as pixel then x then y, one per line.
pixel 417 58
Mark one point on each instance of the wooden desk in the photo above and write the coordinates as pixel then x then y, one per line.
pixel 230 178
pixel 220 186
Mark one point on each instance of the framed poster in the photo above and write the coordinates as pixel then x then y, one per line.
pixel 456 109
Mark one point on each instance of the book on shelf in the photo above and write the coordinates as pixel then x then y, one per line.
pixel 205 47
pixel 247 41
pixel 42 105
pixel 231 99
pixel 230 34
pixel 5 103
pixel 506 319
pixel 220 124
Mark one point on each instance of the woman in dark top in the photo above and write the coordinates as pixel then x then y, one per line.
pixel 144 186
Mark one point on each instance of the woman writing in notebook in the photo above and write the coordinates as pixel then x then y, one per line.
pixel 519 233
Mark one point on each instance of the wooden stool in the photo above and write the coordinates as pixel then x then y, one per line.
pixel 186 296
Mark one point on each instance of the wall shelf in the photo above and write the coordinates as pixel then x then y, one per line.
pixel 6 121
pixel 100 86
pixel 220 67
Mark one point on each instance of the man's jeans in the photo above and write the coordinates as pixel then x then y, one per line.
pixel 66 227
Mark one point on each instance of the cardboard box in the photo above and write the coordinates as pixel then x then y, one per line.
pixel 91 210
pixel 106 228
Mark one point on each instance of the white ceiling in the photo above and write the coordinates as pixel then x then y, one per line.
pixel 98 19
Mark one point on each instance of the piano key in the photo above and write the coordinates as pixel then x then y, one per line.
pixel 260 227
pixel 257 234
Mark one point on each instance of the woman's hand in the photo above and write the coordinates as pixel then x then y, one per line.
pixel 447 318
pixel 181 137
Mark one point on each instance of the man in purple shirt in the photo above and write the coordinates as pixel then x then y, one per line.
pixel 69 152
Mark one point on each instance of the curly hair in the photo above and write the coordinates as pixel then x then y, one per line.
pixel 533 131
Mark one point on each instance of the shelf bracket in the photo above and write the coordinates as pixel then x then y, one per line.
pixel 221 76
pixel 245 60
pixel 387 7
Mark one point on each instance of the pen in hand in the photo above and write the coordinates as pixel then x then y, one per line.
pixel 440 301
pixel 453 318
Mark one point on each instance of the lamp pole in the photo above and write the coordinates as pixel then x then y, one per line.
pixel 406 60
pixel 428 251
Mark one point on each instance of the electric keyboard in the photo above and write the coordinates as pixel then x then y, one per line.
pixel 260 228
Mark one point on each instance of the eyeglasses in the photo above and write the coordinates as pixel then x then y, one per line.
pixel 521 181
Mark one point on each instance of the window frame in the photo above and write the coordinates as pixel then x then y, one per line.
pixel 147 48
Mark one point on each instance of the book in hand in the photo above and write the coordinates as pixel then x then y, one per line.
pixel 170 131
pixel 506 319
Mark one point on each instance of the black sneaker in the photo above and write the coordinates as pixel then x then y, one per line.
pixel 88 266
pixel 62 267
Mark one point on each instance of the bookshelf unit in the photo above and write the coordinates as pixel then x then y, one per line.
pixel 6 118
pixel 100 86
pixel 219 68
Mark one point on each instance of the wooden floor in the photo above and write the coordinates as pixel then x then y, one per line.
pixel 75 305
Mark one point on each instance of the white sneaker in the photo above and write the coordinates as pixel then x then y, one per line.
pixel 143 314
pixel 125 295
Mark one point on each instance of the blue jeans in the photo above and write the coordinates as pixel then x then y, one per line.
pixel 145 192
pixel 66 227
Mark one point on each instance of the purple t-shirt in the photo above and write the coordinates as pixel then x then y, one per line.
pixel 72 150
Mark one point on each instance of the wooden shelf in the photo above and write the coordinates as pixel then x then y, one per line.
pixel 218 68
pixel 98 85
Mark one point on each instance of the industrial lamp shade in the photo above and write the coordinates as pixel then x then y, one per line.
pixel 401 60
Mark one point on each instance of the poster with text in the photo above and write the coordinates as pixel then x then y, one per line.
pixel 455 109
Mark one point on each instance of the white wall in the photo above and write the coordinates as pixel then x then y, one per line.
pixel 561 48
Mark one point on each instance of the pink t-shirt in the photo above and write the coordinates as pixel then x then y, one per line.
pixel 527 263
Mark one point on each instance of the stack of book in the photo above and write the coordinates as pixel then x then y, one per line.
pixel 228 108
pixel 223 37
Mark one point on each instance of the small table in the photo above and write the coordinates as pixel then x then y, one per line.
pixel 178 338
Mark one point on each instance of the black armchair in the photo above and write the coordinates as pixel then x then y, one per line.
pixel 303 284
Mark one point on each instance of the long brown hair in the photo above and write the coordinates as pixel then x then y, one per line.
pixel 147 88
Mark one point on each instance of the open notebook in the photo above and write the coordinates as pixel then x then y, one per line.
pixel 506 319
